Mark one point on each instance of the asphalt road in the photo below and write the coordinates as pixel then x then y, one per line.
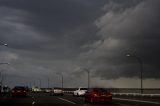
pixel 44 99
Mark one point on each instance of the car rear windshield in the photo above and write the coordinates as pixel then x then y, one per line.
pixel 100 89
pixel 83 88
pixel 19 88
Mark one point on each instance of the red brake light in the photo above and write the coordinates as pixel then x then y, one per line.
pixel 95 94
pixel 109 94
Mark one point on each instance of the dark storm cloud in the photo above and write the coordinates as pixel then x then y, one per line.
pixel 44 36
pixel 64 22
pixel 135 30
pixel 65 36
pixel 57 16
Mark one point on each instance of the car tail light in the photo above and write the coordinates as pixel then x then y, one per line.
pixel 105 94
pixel 95 94
pixel 109 94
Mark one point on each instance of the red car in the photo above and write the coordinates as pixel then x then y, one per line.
pixel 19 91
pixel 98 95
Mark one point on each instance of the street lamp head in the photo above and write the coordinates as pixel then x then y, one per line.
pixel 8 63
pixel 128 55
pixel 5 44
pixel 5 63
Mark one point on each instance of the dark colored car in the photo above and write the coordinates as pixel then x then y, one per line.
pixel 19 91
pixel 98 95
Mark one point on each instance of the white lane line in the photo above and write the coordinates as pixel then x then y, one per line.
pixel 33 102
pixel 142 101
pixel 67 101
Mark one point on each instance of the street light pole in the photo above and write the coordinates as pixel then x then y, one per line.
pixel 48 82
pixel 141 69
pixel 88 72
pixel 1 84
pixel 88 79
pixel 2 44
pixel 61 78
pixel 62 81
pixel 39 83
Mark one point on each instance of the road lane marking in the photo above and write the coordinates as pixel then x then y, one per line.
pixel 33 102
pixel 67 101
pixel 142 101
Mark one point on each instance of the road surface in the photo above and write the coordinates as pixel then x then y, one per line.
pixel 44 99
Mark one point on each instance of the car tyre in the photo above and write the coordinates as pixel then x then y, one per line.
pixel 77 94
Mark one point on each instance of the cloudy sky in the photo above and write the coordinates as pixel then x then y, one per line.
pixel 50 38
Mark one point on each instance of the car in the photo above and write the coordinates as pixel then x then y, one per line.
pixel 36 89
pixel 56 91
pixel 19 91
pixel 79 92
pixel 47 90
pixel 98 95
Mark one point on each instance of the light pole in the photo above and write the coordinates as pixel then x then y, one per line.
pixel 61 78
pixel 2 44
pixel 62 81
pixel 88 78
pixel 1 64
pixel 141 69
pixel 48 82
pixel 88 72
pixel 39 83
pixel 2 77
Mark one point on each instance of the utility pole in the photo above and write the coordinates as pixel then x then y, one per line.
pixel 61 75
pixel 39 83
pixel 62 81
pixel 88 72
pixel 88 79
pixel 141 69
pixel 1 76
pixel 48 82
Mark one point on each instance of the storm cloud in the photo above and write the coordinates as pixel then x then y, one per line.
pixel 69 36
pixel 133 30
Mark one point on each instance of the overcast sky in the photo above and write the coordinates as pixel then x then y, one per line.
pixel 50 38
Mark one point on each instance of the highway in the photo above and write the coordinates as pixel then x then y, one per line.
pixel 44 99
